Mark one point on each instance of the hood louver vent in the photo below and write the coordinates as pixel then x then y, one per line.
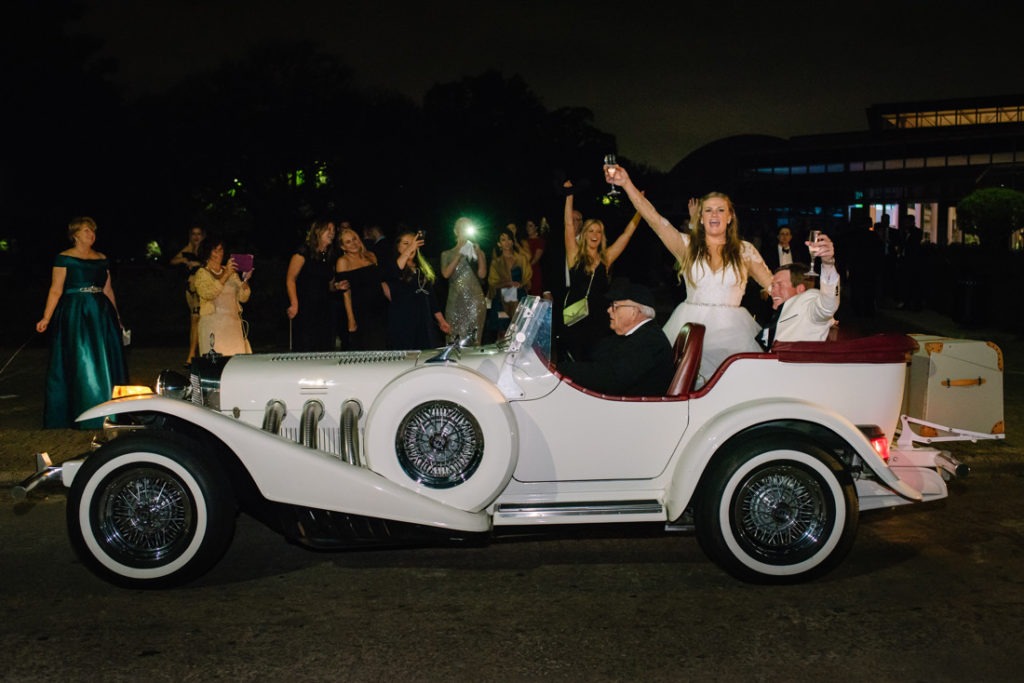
pixel 343 357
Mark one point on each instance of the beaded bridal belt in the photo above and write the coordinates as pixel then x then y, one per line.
pixel 84 290
pixel 694 303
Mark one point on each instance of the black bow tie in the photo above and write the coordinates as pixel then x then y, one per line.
pixel 785 250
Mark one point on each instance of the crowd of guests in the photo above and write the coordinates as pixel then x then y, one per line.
pixel 352 291
pixel 368 292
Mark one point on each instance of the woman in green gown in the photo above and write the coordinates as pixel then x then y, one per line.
pixel 86 357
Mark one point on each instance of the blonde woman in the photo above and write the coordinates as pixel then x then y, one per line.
pixel 86 357
pixel 589 259
pixel 464 266
pixel 366 297
pixel 715 264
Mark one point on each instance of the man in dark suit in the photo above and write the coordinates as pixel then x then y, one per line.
pixel 374 240
pixel 637 361
pixel 784 252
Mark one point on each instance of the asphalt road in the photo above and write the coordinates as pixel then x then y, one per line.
pixel 932 592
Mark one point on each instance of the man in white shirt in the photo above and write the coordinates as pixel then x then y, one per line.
pixel 803 312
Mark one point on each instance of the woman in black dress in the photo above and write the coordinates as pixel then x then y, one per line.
pixel 415 320
pixel 365 313
pixel 589 259
pixel 310 285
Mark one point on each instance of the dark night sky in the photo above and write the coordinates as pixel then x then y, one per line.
pixel 664 77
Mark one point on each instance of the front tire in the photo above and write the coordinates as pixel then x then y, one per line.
pixel 776 511
pixel 150 512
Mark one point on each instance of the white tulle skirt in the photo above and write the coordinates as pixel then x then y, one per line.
pixel 728 330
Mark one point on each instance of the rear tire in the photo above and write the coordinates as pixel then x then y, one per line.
pixel 150 511
pixel 776 511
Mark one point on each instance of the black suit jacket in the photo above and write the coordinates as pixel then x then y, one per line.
pixel 384 249
pixel 636 365
pixel 770 254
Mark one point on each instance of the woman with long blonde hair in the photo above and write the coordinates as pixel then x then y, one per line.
pixel 714 262
pixel 589 260
pixel 464 266
pixel 365 293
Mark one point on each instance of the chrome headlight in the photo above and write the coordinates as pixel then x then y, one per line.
pixel 172 384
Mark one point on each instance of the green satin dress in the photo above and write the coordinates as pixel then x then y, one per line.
pixel 86 356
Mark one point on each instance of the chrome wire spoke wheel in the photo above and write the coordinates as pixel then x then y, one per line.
pixel 781 513
pixel 776 508
pixel 144 516
pixel 439 444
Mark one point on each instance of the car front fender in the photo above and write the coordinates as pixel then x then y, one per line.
pixel 714 433
pixel 288 472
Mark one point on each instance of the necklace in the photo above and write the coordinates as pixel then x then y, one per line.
pixel 215 272
pixel 421 282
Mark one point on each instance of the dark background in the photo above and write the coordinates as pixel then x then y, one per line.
pixel 252 118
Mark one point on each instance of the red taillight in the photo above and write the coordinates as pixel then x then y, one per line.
pixel 881 446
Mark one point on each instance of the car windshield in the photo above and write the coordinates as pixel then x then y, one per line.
pixel 530 327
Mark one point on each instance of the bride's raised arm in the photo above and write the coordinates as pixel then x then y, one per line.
pixel 666 232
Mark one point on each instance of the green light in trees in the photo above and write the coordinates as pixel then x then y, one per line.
pixel 320 173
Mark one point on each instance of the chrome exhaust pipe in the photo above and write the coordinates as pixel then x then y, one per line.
pixel 273 416
pixel 351 411
pixel 46 471
pixel 945 461
pixel 312 413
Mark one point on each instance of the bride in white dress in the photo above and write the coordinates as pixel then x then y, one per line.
pixel 715 264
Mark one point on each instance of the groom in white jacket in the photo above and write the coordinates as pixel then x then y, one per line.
pixel 803 312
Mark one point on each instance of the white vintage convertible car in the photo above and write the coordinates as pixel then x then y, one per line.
pixel 769 462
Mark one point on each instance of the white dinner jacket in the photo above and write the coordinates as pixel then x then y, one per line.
pixel 808 315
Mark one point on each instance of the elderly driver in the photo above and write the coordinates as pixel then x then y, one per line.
pixel 637 361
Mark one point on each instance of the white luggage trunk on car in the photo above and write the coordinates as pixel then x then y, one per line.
pixel 956 382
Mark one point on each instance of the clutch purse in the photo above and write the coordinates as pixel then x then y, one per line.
pixel 575 312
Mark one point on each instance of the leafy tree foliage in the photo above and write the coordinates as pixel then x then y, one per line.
pixel 992 213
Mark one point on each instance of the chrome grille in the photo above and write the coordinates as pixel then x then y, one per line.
pixel 197 388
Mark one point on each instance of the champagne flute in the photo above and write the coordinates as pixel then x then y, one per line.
pixel 610 160
pixel 812 248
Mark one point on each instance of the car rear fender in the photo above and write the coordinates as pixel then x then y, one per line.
pixel 288 472
pixel 716 433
